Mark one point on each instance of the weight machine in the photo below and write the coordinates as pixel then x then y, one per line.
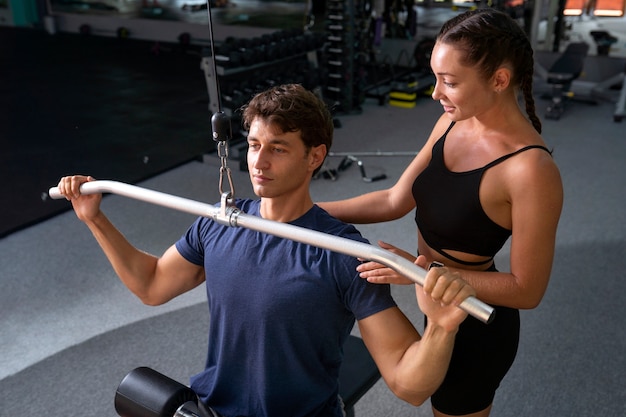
pixel 562 73
pixel 147 393
pixel 576 76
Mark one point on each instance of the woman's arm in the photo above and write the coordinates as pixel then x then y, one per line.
pixel 391 203
pixel 527 197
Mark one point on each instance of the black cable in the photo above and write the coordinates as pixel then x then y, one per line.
pixel 212 42
pixel 220 122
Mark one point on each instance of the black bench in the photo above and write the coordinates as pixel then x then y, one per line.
pixel 358 373
pixel 562 73
pixel 145 392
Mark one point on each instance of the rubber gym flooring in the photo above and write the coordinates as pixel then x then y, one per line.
pixel 75 104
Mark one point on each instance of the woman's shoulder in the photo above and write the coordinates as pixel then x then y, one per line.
pixel 516 137
pixel 531 166
pixel 441 127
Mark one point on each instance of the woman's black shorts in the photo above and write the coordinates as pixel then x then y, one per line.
pixel 482 355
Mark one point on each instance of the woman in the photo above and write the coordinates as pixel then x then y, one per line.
pixel 484 175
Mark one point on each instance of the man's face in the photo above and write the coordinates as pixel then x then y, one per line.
pixel 278 162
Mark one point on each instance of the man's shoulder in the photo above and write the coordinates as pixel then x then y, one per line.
pixel 326 223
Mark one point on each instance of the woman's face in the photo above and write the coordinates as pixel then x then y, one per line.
pixel 460 89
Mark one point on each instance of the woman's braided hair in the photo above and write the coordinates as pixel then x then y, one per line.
pixel 490 39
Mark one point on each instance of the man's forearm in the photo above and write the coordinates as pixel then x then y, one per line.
pixel 134 267
pixel 425 365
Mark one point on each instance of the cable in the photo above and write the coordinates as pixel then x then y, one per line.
pixel 220 124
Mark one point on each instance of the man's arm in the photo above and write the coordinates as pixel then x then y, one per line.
pixel 155 280
pixel 414 366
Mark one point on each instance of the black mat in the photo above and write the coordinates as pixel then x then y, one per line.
pixel 111 108
pixel 81 380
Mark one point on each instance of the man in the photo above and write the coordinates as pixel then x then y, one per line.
pixel 280 311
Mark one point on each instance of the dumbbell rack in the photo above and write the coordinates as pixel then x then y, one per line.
pixel 344 42
pixel 245 66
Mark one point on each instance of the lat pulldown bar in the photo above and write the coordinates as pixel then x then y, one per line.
pixel 231 216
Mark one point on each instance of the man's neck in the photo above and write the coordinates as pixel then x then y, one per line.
pixel 285 210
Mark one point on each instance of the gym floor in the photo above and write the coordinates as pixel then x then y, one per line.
pixel 70 331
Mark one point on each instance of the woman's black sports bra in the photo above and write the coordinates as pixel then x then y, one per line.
pixel 449 214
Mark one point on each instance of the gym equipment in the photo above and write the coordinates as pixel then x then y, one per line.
pixel 603 79
pixel 612 86
pixel 403 84
pixel 134 399
pixel 347 161
pixel 562 73
pixel 620 107
pixel 349 158
pixel 347 51
pixel 228 215
pixel 405 92
pixel 244 66
pixel 604 40
pixel 144 392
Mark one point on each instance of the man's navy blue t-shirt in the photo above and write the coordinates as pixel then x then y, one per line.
pixel 280 312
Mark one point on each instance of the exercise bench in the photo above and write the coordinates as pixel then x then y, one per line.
pixel 357 375
pixel 562 73
pixel 604 41
pixel 145 392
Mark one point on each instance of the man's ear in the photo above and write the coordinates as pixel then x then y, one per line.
pixel 317 154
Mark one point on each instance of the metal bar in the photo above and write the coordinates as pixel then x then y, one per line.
pixel 232 216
